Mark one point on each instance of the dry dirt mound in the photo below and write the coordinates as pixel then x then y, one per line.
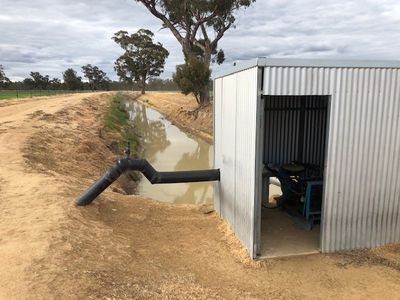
pixel 74 143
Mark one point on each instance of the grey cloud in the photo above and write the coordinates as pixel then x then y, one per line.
pixel 318 49
pixel 50 36
pixel 311 28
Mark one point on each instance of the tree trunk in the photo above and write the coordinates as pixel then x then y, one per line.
pixel 143 86
pixel 205 90
pixel 204 95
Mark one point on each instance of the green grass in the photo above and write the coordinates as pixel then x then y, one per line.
pixel 117 119
pixel 116 116
pixel 12 94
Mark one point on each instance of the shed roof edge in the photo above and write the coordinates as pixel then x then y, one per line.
pixel 301 62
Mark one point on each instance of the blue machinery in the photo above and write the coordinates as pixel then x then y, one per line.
pixel 301 186
pixel 310 212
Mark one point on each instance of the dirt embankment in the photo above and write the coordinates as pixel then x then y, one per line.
pixel 129 247
pixel 183 111
pixel 75 143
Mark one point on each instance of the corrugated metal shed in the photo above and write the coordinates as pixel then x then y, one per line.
pixel 361 206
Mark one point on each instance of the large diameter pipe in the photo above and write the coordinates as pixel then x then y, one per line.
pixel 155 177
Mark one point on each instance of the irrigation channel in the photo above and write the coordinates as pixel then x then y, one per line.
pixel 168 148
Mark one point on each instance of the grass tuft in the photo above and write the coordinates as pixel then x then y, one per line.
pixel 117 119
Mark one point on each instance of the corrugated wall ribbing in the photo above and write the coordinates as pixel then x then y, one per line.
pixel 281 129
pixel 246 89
pixel 235 142
pixel 362 179
pixel 295 129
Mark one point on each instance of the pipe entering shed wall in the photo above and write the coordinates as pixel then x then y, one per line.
pixel 149 172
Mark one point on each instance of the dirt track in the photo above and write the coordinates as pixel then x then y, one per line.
pixel 126 247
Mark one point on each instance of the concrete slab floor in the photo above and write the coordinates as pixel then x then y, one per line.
pixel 281 236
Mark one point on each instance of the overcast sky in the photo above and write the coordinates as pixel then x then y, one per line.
pixel 50 36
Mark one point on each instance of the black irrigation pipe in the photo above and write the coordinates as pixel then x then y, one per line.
pixel 155 177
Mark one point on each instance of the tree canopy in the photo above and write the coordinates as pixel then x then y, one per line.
pixel 191 77
pixel 39 81
pixel 55 84
pixel 71 80
pixel 198 25
pixel 142 59
pixel 4 81
pixel 97 78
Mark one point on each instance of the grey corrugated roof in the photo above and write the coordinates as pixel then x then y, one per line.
pixel 297 62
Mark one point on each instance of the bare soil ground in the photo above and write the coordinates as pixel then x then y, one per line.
pixel 129 247
pixel 183 111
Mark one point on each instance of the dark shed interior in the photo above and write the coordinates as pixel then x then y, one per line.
pixel 295 138
pixel 295 129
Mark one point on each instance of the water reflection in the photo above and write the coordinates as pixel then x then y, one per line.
pixel 168 148
pixel 152 133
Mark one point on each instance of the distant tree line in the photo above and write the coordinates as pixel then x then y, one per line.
pixel 96 80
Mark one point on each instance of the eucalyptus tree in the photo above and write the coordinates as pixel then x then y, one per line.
pixel 55 84
pixel 192 77
pixel 198 25
pixel 143 58
pixel 28 83
pixel 4 81
pixel 97 78
pixel 40 81
pixel 71 80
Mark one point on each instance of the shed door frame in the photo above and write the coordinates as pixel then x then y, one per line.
pixel 258 166
pixel 260 160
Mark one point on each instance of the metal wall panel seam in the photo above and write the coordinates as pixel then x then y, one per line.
pixel 385 130
pixel 348 182
pixel 363 97
pixel 357 162
pixel 391 156
pixel 394 235
pixel 395 220
pixel 352 186
pixel 376 150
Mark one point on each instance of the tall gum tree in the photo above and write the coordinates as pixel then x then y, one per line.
pixel 71 80
pixel 4 81
pixel 97 78
pixel 143 59
pixel 198 25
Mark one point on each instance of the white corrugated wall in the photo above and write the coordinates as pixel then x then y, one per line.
pixel 362 179
pixel 235 113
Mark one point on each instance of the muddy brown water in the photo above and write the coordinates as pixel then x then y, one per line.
pixel 168 148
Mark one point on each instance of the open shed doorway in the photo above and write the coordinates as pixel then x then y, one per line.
pixel 295 140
